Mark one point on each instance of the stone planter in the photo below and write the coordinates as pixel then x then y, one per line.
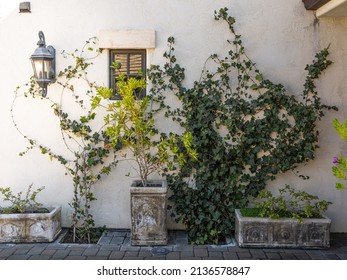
pixel 284 232
pixel 30 227
pixel 148 213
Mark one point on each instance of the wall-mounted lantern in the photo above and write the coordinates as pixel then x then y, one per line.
pixel 43 62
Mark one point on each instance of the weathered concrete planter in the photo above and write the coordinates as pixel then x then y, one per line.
pixel 284 232
pixel 148 214
pixel 30 227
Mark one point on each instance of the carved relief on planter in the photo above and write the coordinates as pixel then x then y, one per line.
pixel 30 227
pixel 256 233
pixel 148 214
pixel 285 232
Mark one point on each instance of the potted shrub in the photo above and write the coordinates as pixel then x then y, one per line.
pixel 293 219
pixel 26 220
pixel 131 125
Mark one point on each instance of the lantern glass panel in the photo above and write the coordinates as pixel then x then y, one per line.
pixel 42 69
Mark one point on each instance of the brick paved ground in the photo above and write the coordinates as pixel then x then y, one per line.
pixel 115 245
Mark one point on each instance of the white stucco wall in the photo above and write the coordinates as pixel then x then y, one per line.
pixel 280 36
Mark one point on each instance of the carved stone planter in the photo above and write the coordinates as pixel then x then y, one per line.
pixel 284 232
pixel 30 227
pixel 148 213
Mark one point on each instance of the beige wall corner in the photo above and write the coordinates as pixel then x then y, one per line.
pixel 334 8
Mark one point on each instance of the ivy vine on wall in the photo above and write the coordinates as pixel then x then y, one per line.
pixel 246 130
pixel 88 156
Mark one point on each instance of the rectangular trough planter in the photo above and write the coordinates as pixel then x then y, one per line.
pixel 284 232
pixel 148 213
pixel 30 227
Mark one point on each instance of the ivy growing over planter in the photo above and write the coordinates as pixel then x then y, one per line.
pixel 246 130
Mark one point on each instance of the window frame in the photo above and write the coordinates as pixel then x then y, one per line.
pixel 113 76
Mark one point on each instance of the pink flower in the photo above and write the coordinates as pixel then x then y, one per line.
pixel 335 160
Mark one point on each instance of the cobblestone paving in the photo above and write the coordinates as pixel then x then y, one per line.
pixel 115 245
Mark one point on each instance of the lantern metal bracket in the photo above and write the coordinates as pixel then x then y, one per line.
pixel 53 75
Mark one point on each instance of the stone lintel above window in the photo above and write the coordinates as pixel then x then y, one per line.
pixel 126 39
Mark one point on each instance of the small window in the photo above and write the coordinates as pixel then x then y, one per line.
pixel 132 63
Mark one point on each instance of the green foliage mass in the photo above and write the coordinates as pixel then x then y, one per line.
pixel 129 123
pixel 246 130
pixel 288 204
pixel 340 163
pixel 21 203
